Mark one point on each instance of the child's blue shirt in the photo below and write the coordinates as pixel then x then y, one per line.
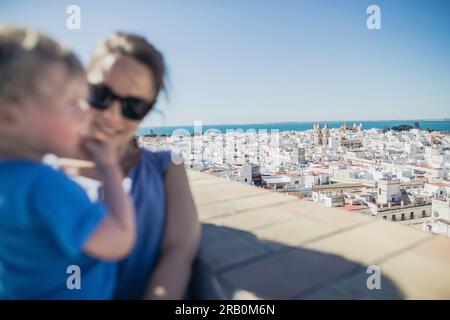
pixel 45 219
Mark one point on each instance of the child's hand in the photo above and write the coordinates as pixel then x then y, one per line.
pixel 116 235
pixel 101 151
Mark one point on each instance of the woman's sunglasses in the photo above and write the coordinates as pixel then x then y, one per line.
pixel 101 96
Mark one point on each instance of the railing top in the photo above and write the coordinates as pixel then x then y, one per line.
pixel 267 245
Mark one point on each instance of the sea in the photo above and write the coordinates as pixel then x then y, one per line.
pixel 438 125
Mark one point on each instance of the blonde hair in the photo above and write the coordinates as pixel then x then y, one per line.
pixel 25 56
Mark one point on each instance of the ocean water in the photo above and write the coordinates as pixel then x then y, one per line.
pixel 439 125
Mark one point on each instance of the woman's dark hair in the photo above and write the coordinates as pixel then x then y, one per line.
pixel 135 47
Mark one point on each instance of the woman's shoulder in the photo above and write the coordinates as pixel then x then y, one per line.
pixel 161 159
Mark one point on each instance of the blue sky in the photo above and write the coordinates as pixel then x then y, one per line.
pixel 247 61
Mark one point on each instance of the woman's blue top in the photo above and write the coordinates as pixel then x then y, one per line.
pixel 149 199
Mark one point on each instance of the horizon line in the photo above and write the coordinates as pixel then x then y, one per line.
pixel 294 122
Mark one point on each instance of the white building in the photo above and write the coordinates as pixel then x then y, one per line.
pixel 410 148
pixel 244 173
pixel 333 143
pixel 276 182
pixel 438 160
pixel 298 155
pixel 389 191
pixel 312 180
pixel 402 212
pixel 328 199
pixel 440 218
pixel 435 190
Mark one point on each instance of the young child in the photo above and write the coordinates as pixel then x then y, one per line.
pixel 54 242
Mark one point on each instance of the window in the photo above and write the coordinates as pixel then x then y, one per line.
pixel 403 216
pixel 411 215
pixel 384 217
pixel 393 217
pixel 423 213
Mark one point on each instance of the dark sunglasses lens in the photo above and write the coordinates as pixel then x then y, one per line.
pixel 99 96
pixel 135 109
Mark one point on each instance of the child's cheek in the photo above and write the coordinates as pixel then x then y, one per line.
pixel 70 134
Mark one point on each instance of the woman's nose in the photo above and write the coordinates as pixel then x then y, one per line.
pixel 113 113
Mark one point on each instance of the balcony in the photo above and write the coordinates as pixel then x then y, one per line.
pixel 258 244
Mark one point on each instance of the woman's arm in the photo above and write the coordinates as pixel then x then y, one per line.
pixel 181 238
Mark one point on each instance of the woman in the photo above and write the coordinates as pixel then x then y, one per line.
pixel 125 77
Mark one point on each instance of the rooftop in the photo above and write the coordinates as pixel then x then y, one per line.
pixel 261 244
pixel 276 179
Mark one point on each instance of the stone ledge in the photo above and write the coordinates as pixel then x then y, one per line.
pixel 261 244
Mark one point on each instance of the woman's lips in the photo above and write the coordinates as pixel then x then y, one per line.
pixel 110 132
